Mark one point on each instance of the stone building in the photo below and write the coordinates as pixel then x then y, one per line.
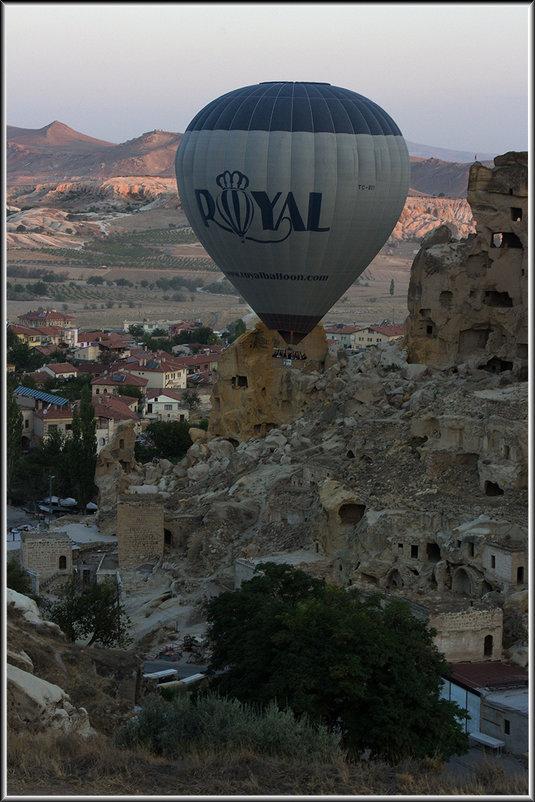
pixel 465 631
pixel 468 299
pixel 506 562
pixel 45 555
pixel 140 528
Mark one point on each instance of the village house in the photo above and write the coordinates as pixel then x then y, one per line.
pixel 45 317
pixel 87 338
pixel 372 335
pixel 86 353
pixel 112 383
pixel 200 363
pixel 59 370
pixel 497 700
pixel 45 556
pixel 118 343
pixel 161 373
pixel 164 405
pixel 27 335
pixel 110 411
pixel 52 418
pixel 345 335
pixel 184 325
pixel 30 402
pixel 56 335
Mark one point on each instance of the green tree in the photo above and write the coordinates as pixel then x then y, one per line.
pixel 171 438
pixel 191 399
pixel 17 578
pixel 136 331
pixel 392 287
pixel 81 450
pixel 13 438
pixel 24 357
pixel 93 611
pixel 365 667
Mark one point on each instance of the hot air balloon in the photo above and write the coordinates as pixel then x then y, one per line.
pixel 292 188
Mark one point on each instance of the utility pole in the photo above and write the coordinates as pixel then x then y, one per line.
pixel 50 478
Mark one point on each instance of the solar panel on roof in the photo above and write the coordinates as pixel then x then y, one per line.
pixel 47 397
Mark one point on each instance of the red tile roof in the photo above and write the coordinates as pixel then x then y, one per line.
pixel 61 367
pixel 16 329
pixel 51 412
pixel 46 350
pixel 112 408
pixel 50 331
pixel 396 330
pixel 90 336
pixel 488 675
pixel 135 381
pixel 154 393
pixel 45 315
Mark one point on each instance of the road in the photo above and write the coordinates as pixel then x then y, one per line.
pixel 184 669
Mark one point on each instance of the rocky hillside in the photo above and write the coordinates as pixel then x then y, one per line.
pixel 57 153
pixel 420 215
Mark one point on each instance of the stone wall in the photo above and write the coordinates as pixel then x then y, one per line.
pixel 468 300
pixel 140 528
pixel 47 555
pixel 461 635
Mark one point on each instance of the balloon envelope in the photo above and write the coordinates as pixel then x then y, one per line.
pixel 292 188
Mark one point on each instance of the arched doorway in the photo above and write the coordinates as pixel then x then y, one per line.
pixel 62 563
pixel 461 583
pixel 394 580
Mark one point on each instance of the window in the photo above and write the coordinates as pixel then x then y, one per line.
pixel 520 575
pixel 487 646
pixel 62 563
pixel 400 546
pixel 168 406
pixel 414 551
pixel 506 726
pixel 52 427
pixel 26 423
pixel 471 549
pixel 121 443
pixel 492 561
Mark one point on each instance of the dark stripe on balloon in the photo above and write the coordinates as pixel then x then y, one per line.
pixel 295 106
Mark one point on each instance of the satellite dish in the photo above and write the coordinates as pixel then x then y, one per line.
pixel 292 188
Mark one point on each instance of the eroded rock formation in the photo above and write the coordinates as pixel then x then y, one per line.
pixel 468 300
pixel 257 390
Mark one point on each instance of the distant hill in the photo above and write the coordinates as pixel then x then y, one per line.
pixel 58 153
pixel 430 152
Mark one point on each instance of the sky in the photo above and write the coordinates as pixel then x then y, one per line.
pixel 452 75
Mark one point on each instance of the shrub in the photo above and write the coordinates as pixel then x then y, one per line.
pixel 210 723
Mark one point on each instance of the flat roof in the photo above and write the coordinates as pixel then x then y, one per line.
pixel 494 675
pixel 516 699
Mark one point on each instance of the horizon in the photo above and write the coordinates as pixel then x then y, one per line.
pixel 482 155
pixel 110 69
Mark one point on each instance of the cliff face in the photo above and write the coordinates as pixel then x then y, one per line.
pixel 468 300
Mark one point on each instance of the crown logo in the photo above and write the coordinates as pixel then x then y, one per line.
pixel 234 180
